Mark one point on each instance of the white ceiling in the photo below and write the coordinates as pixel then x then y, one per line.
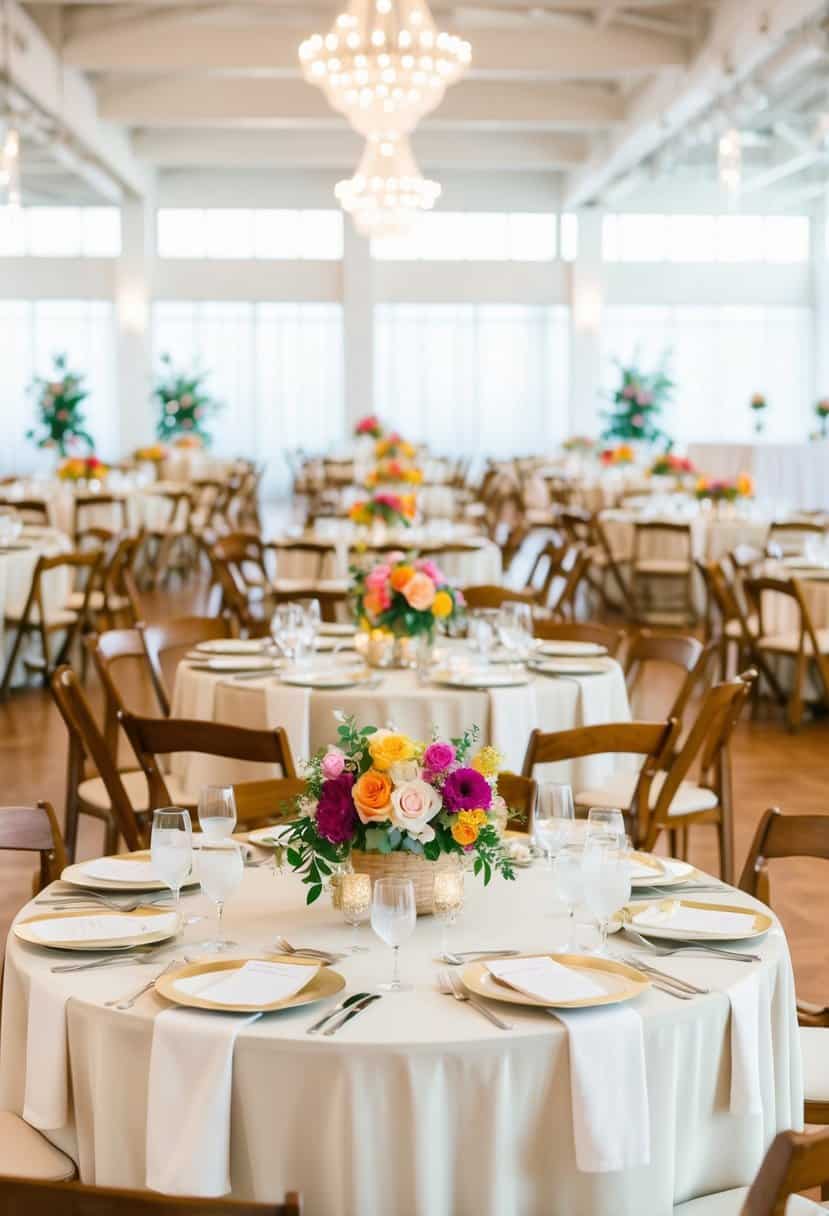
pixel 608 97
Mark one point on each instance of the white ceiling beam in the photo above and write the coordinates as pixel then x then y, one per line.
pixel 546 54
pixel 185 100
pixel 743 34
pixel 782 170
pixel 435 150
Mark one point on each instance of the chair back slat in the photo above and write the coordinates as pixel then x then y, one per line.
pixel 261 802
pixel 34 829
pixel 519 793
pixel 580 631
pixel 489 595
pixel 780 836
pixel 22 1197
pixel 168 642
pixel 796 1161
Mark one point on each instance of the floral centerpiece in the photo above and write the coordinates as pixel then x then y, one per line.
pixel 60 401
pixel 389 803
pixel 393 509
pixel 154 453
pixel 189 443
pixel 637 403
pixel 82 468
pixel 404 596
pixel 622 454
pixel 669 465
pixel 580 444
pixel 184 404
pixel 393 472
pixel 822 413
pixel 758 405
pixel 394 447
pixel 369 425
pixel 725 489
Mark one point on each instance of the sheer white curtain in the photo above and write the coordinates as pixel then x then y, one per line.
pixel 472 378
pixel 277 369
pixel 31 332
pixel 718 358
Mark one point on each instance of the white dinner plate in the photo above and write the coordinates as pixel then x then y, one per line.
pixel 327 679
pixel 325 644
pixel 272 835
pixel 235 646
pixel 221 665
pixel 480 679
pixel 755 924
pixel 670 872
pixel 77 876
pixel 618 982
pixel 550 666
pixel 564 648
pixel 101 930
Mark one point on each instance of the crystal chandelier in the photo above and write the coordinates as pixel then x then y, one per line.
pixel 384 64
pixel 730 160
pixel 388 191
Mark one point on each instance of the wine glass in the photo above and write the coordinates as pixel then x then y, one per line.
pixel 515 629
pixel 287 629
pixel 217 812
pixel 220 874
pixel 447 902
pixel 607 886
pixel 393 916
pixel 311 620
pixel 606 824
pixel 171 848
pixel 554 816
pixel 567 869
pixel 355 900
pixel 482 632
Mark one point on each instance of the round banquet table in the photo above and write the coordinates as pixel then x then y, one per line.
pixel 419 1105
pixel 16 569
pixel 505 716
pixel 144 505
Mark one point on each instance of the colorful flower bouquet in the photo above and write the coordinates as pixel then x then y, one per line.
pixel 759 405
pixel 369 425
pixel 622 454
pixel 393 472
pixel 392 509
pixel 394 447
pixel 404 596
pixel 184 406
pixel 580 444
pixel 189 443
pixel 61 422
pixel 380 792
pixel 725 490
pixel 82 468
pixel 154 454
pixel 668 465
pixel 638 402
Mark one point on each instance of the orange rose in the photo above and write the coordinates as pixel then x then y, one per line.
pixel 464 833
pixel 401 576
pixel 420 592
pixel 372 797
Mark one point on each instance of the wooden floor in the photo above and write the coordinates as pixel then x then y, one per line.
pixel 771 768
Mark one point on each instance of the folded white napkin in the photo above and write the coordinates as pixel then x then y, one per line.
pixel 46 1093
pixel 751 1041
pixel 290 707
pixel 257 983
pixel 695 920
pixel 544 979
pixel 113 869
pixel 242 662
pixel 98 928
pixel 639 869
pixel 188 1102
pixel 232 646
pixel 513 715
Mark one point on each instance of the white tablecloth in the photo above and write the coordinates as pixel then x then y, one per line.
pixel 16 570
pixel 144 505
pixel 792 473
pixel 550 704
pixel 419 1105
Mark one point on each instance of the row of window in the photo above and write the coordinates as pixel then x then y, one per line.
pixel 268 234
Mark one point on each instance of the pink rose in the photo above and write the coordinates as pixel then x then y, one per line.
pixel 419 592
pixel 430 570
pixel 413 805
pixel 333 763
pixel 378 577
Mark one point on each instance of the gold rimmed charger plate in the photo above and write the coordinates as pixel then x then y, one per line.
pixel 762 922
pixel 324 680
pixel 567 665
pixel 621 982
pixel 478 680
pixel 22 930
pixel 75 876
pixel 666 877
pixel 324 984
pixel 566 649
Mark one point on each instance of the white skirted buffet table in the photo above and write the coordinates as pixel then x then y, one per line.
pixel 793 473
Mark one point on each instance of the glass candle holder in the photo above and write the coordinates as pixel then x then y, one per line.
pixel 447 901
pixel 355 901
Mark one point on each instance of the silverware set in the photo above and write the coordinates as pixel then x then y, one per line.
pixel 137 955
pixel 704 948
pixel 326 957
pixel 452 985
pixel 669 984
pixel 462 957
pixel 347 1009
pixel 62 903
pixel 127 1002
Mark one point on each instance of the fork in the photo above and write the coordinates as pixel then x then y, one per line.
pixel 662 976
pixel 697 947
pixel 62 905
pixel 127 1002
pixel 327 956
pixel 137 957
pixel 471 956
pixel 107 901
pixel 450 985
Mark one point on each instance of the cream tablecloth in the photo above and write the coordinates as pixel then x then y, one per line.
pixel 16 570
pixel 420 1105
pixel 145 507
pixel 793 473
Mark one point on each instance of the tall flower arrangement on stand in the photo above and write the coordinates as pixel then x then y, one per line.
pixel 184 404
pixel 61 421
pixel 395 510
pixel 369 425
pixel 758 405
pixel 637 403
pixel 822 415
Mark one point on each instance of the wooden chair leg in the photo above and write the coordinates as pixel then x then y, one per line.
pixel 12 663
pixel 110 837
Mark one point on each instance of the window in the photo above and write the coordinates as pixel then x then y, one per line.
pixel 476 236
pixel 474 378
pixel 277 369
pixel 31 332
pixel 60 232
pixel 220 232
pixel 718 357
pixel 705 238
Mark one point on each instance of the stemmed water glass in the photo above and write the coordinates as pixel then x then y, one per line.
pixel 288 630
pixel 554 817
pixel 482 632
pixel 393 917
pixel 311 621
pixel 515 627
pixel 607 885
pixel 220 873
pixel 607 825
pixel 569 877
pixel 171 848
pixel 217 812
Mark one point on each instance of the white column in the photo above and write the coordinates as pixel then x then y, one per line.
pixel 358 324
pixel 820 304
pixel 133 304
pixel 587 291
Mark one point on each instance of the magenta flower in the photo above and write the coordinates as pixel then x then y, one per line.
pixel 333 763
pixel 336 817
pixel 438 757
pixel 466 790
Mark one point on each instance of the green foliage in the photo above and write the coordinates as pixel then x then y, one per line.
pixel 637 403
pixel 61 421
pixel 184 403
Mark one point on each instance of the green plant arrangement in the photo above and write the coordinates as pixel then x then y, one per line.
pixel 822 415
pixel 638 402
pixel 184 404
pixel 60 398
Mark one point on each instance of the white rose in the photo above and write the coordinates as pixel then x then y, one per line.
pixel 413 805
pixel 404 772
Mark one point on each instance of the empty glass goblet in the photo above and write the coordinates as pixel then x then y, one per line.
pixel 393 918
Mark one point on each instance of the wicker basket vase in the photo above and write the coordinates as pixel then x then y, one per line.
pixel 403 865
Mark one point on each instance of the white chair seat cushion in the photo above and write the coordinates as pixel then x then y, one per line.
pixel 729 1203
pixel 93 791
pixel 790 642
pixel 24 1153
pixel 618 792
pixel 59 619
pixel 97 602
pixel 814 1045
pixel 661 565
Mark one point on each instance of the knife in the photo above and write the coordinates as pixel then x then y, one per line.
pixel 337 1010
pixel 352 1013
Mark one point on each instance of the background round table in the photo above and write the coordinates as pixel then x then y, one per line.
pixel 419 1105
pixel 17 566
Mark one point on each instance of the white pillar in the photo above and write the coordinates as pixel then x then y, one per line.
pixel 587 291
pixel 358 324
pixel 133 305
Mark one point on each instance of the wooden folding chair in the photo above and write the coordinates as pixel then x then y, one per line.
pixel 169 548
pixel 520 794
pixel 804 645
pixel 96 505
pixel 649 652
pixel 586 528
pixel 796 1161
pixel 259 803
pixel 580 631
pixel 33 511
pixel 167 644
pixel 561 588
pixel 647 570
pixel 785 836
pixel 34 829
pixel 488 595
pixel 788 538
pixel 27 1198
pixel 34 620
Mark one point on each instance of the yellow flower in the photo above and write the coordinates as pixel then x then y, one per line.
pixel 467 826
pixel 488 762
pixel 745 486
pixel 387 749
pixel 442 605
